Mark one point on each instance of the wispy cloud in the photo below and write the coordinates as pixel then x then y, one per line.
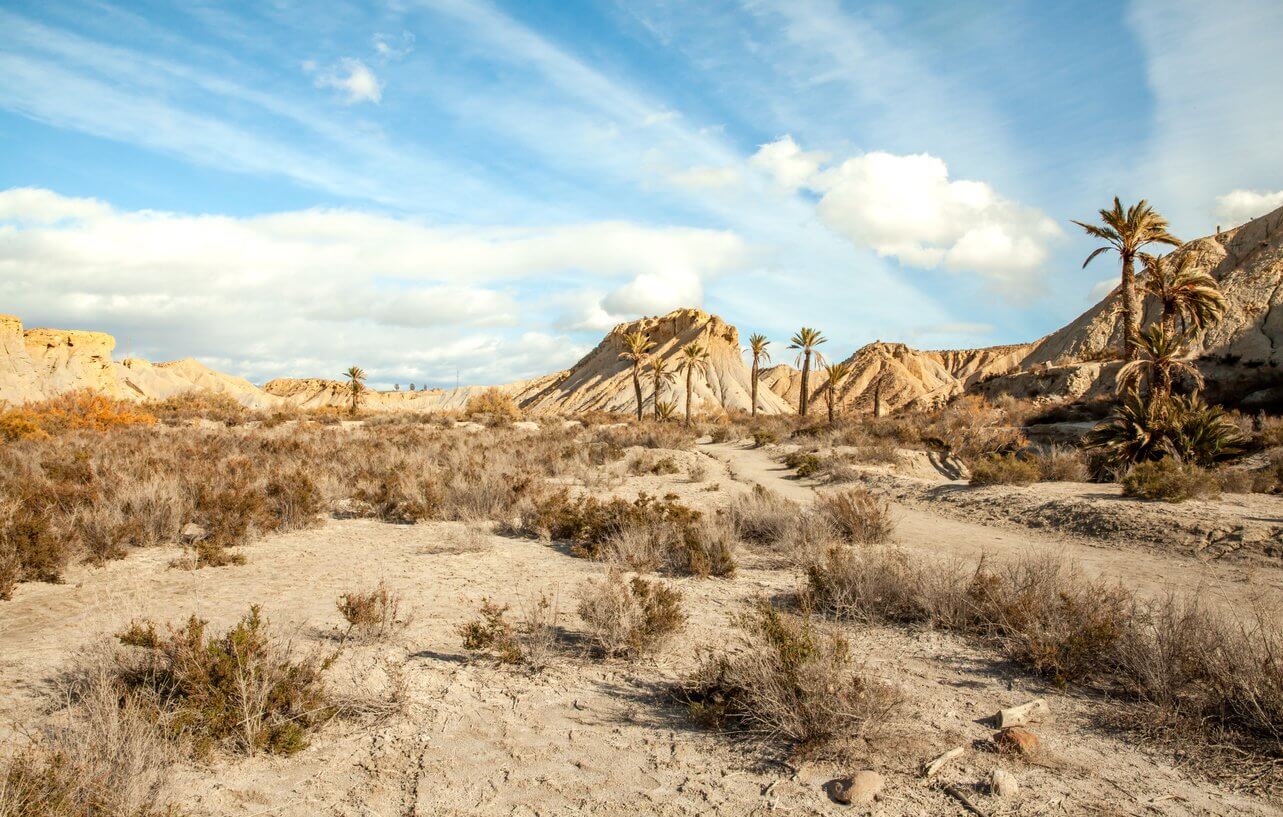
pixel 351 78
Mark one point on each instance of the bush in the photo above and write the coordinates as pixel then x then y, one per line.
pixel 1004 469
pixel 372 614
pixel 200 404
pixel 639 531
pixel 788 680
pixel 1063 465
pixel 529 642
pixel 762 517
pixel 1169 480
pixel 493 407
pixel 806 463
pixel 857 516
pixel 72 411
pixel 629 618
pixel 648 463
pixel 240 690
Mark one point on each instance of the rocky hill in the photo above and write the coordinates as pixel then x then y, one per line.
pixel 602 382
pixel 894 375
pixel 40 363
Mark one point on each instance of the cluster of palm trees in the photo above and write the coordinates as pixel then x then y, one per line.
pixel 694 358
pixel 1152 422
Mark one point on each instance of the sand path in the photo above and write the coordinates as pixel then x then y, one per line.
pixel 937 535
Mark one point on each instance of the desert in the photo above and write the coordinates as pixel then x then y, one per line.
pixel 526 409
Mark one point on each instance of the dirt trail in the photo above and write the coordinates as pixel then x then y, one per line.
pixel 936 535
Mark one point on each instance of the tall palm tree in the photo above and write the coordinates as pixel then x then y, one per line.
pixel 1127 232
pixel 660 374
pixel 757 346
pixel 805 341
pixel 1159 365
pixel 1184 292
pixel 694 357
pixel 355 385
pixel 637 348
pixel 837 372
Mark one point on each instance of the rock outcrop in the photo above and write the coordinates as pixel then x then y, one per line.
pixel 40 363
pixel 601 381
pixel 143 380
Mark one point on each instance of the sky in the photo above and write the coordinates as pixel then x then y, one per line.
pixel 450 191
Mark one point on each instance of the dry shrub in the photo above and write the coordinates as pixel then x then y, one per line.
pixel 806 463
pixel 399 494
pixel 629 618
pixel 879 452
pixel 530 641
pixel 372 614
pixel 639 532
pixel 493 407
pixel 241 690
pixel 104 756
pixel 647 462
pixel 762 517
pixel 1005 469
pixel 1063 464
pixel 72 411
pixel 1169 480
pixel 199 404
pixel 971 428
pixel 857 516
pixel 1235 480
pixel 787 679
pixel 648 434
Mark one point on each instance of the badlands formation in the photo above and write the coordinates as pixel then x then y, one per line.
pixel 1240 355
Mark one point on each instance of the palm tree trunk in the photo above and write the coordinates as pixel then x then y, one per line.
pixel 637 389
pixel 1162 385
pixel 753 410
pixel 828 400
pixel 655 396
pixel 803 401
pixel 689 371
pixel 1131 320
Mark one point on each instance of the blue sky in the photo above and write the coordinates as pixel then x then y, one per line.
pixel 441 189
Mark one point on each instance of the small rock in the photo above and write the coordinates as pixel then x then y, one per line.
pixel 808 774
pixel 1003 783
pixel 859 788
pixel 192 532
pixel 1017 740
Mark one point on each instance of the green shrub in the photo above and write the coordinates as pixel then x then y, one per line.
pixel 1005 469
pixel 807 464
pixel 240 690
pixel 1169 480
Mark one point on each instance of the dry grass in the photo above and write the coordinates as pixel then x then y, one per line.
pixel 629 618
pixel 73 411
pixel 857 516
pixel 1191 669
pixel 492 407
pixel 103 756
pixel 372 614
pixel 93 496
pixel 1004 469
pixel 1063 464
pixel 787 679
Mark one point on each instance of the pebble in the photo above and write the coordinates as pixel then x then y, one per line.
pixel 1017 740
pixel 1003 783
pixel 859 788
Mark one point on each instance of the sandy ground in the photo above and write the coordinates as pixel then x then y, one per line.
pixel 586 736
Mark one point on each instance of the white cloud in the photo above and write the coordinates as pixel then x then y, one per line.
pixel 393 46
pixel 299 293
pixel 1101 289
pixel 787 163
pixel 352 78
pixel 705 178
pixel 908 208
pixel 1239 206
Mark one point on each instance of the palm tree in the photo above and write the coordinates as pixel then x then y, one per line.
pixel 637 348
pixel 1127 232
pixel 355 385
pixel 693 357
pixel 806 340
pixel 837 372
pixel 665 409
pixel 757 346
pixel 1183 291
pixel 660 374
pixel 1159 365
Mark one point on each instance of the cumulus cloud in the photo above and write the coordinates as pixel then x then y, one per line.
pixel 301 292
pixel 350 77
pixel 787 163
pixel 1239 206
pixel 908 208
